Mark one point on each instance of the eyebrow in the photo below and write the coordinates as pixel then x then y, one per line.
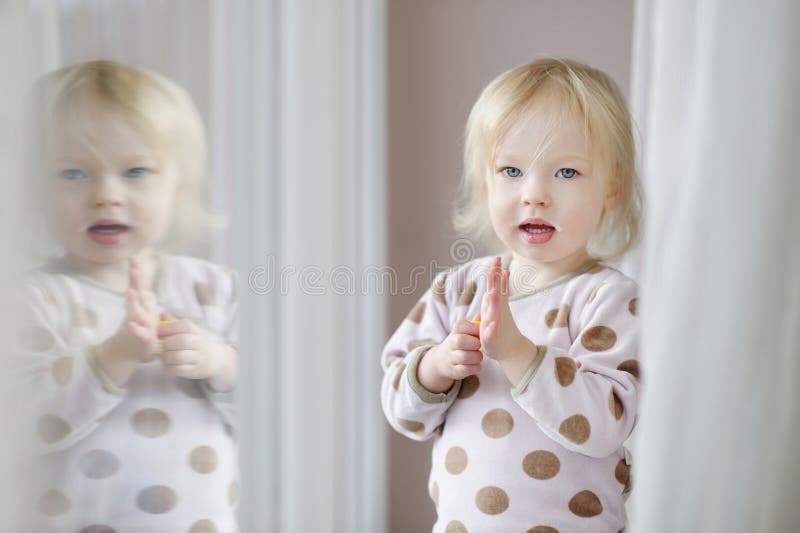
pixel 520 158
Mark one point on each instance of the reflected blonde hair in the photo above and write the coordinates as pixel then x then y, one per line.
pixel 160 110
pixel 579 92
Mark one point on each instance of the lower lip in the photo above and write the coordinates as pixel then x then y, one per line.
pixel 107 238
pixel 537 238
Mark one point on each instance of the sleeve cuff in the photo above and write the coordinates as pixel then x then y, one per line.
pixel 102 377
pixel 526 379
pixel 218 396
pixel 424 394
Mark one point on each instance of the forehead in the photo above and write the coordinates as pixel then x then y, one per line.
pixel 547 125
pixel 89 128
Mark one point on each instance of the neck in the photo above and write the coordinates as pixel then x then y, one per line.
pixel 114 275
pixel 527 276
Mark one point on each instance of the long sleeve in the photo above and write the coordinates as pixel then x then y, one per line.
pixel 64 397
pixel 586 398
pixel 409 408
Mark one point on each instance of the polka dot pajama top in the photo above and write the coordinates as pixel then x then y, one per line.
pixel 547 455
pixel 158 455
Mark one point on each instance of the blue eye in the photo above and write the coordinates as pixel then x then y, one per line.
pixel 72 174
pixel 567 173
pixel 137 172
pixel 512 172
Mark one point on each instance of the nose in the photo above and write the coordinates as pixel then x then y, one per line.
pixel 106 191
pixel 536 192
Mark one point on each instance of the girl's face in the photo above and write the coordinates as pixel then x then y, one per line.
pixel 545 201
pixel 111 195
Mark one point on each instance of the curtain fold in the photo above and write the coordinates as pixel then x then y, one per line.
pixel 721 286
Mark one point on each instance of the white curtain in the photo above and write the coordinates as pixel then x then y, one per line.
pixel 720 420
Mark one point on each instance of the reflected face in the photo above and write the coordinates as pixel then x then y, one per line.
pixel 545 201
pixel 111 194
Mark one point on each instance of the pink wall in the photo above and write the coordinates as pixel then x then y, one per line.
pixel 441 54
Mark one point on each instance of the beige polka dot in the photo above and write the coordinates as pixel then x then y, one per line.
pixel 420 342
pixel 391 359
pixel 541 464
pixel 434 493
pixel 53 503
pixel 190 387
pixel 203 526
pixel 497 423
pixel 203 459
pixel 557 318
pixel 62 370
pixel 622 473
pixel 468 294
pixel 454 526
pixel 98 464
pixel 565 370
pixel 233 493
pixel 52 428
pixel 398 374
pixel 411 425
pixel 576 429
pixel 156 499
pixel 150 422
pixel 542 529
pixel 455 461
pixel 417 312
pixel 615 405
pixel 585 504
pixel 491 500
pixel 595 269
pixel 468 387
pixel 83 317
pixel 632 306
pixel 35 339
pixel 631 366
pixel 594 293
pixel 438 289
pixel 204 293
pixel 98 528
pixel 598 339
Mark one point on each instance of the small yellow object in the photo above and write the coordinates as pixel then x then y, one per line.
pixel 165 322
pixel 476 321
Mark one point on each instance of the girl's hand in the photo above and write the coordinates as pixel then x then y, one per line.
pixel 457 357
pixel 500 338
pixel 141 319
pixel 136 341
pixel 190 352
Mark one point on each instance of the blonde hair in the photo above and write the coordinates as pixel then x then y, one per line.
pixel 580 92
pixel 161 111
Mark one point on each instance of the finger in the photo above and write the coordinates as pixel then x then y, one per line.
pixel 179 357
pixel 180 341
pixel 477 318
pixel 176 327
pixel 134 277
pixel 504 275
pixel 138 331
pixel 467 357
pixel 463 341
pixel 182 371
pixel 464 326
pixel 463 371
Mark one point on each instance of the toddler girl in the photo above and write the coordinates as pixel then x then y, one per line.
pixel 523 367
pixel 128 353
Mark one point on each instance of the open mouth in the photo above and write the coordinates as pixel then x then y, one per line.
pixel 108 232
pixel 537 232
pixel 108 229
